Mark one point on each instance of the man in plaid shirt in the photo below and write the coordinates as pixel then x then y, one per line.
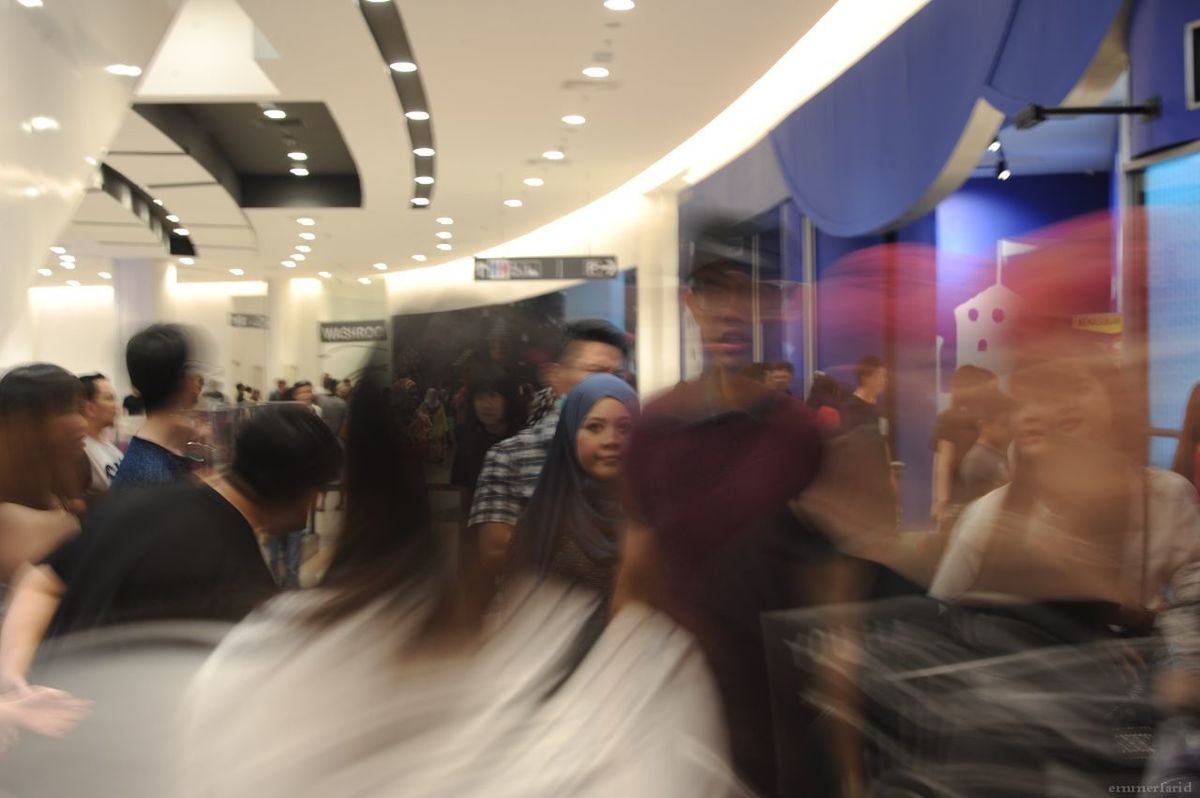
pixel 511 468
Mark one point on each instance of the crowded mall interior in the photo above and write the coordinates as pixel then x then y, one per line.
pixel 599 398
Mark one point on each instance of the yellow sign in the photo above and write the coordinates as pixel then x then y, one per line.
pixel 1104 323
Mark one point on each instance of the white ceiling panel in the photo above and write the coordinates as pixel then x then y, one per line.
pixel 153 170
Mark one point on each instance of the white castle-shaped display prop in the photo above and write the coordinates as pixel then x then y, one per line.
pixel 984 324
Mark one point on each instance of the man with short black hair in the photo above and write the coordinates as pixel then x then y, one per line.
pixel 280 392
pixel 511 468
pixel 780 375
pixel 161 367
pixel 100 411
pixel 183 551
pixel 862 407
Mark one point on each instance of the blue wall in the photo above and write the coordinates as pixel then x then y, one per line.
pixel 1156 68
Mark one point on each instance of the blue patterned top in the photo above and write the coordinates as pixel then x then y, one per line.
pixel 147 464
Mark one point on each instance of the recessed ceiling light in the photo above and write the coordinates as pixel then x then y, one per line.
pixel 420 201
pixel 105 276
pixel 90 161
pixel 513 203
pixel 574 119
pixel 31 3
pixel 298 156
pixel 554 155
pixel 424 152
pixel 45 272
pixel 303 248
pixel 620 5
pixel 403 66
pixel 66 258
pixel 536 182
pixel 444 220
pixel 43 123
pixel 172 217
pixel 365 280
pixel 298 256
pixel 424 180
pixel 994 146
pixel 324 275
pixel 445 247
pixel 380 266
pixel 299 171
pixel 181 231
pixel 73 283
pixel 309 236
pixel 158 202
pixel 596 72
pixel 418 116
pixel 68 265
pixel 306 221
pixel 445 235
pixel 237 272
pixel 59 250
pixel 275 113
pixel 187 261
pixel 288 264
pixel 420 258
pixel 124 70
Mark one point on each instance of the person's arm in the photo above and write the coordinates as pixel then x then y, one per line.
pixel 943 477
pixel 637 578
pixel 494 509
pixel 28 535
pixel 35 599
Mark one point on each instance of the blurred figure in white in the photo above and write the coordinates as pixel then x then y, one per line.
pixel 100 411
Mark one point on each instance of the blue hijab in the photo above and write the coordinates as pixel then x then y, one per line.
pixel 567 501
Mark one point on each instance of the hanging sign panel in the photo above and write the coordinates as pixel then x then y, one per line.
pixel 344 332
pixel 257 321
pixel 590 267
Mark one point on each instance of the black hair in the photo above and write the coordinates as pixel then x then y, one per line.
pixel 594 330
pixel 291 392
pixel 89 382
pixel 489 379
pixel 282 453
pixel 865 367
pixel 825 392
pixel 782 365
pixel 39 390
pixel 157 359
pixel 30 396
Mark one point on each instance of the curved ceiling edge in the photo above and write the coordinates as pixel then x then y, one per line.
pixel 142 205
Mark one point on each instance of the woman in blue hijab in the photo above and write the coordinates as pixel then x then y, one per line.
pixel 571 526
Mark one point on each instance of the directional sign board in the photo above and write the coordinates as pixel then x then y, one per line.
pixel 588 267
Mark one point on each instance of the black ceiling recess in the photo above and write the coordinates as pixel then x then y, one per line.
pixel 387 27
pixel 141 205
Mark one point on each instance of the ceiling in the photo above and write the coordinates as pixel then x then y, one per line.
pixel 498 76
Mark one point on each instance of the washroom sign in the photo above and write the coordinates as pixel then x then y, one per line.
pixel 349 332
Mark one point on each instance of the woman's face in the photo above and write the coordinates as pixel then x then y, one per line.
pixel 603 438
pixel 489 408
pixel 1077 411
pixel 65 434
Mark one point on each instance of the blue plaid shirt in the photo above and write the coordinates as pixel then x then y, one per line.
pixel 510 473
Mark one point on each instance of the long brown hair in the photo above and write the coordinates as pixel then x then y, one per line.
pixel 1189 438
pixel 30 396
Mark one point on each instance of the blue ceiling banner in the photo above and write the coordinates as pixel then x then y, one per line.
pixel 1161 35
pixel 873 149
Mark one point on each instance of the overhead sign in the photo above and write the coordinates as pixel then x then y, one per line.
pixel 1106 323
pixel 591 267
pixel 257 321
pixel 342 332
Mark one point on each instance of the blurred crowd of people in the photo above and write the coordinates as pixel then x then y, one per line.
pixel 710 593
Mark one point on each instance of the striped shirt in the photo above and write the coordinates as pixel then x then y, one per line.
pixel 510 473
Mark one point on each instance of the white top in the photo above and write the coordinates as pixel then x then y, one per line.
pixel 282 711
pixel 1172 541
pixel 105 458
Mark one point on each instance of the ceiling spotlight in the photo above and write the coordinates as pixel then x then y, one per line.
pixel 420 201
pixel 288 264
pixel 574 119
pixel 424 180
pixel 181 231
pixel 365 280
pixel 306 221
pixel 45 272
pixel 275 113
pixel 303 248
pixel 403 66
pixel 299 256
pixel 298 156
pixel 445 235
pixel 43 123
pixel 237 272
pixel 66 258
pixel 620 5
pixel 187 261
pixel 513 203
pixel 158 202
pixel 90 161
pixel 424 152
pixel 324 275
pixel 994 146
pixel 59 250
pixel 299 171
pixel 124 70
pixel 172 218
pixel 105 276
pixel 31 3
pixel 554 155
pixel 596 72
pixel 444 220
pixel 445 247
pixel 309 236
pixel 418 116
pixel 73 283
pixel 379 266
pixel 1002 170
pixel 68 265
pixel 420 258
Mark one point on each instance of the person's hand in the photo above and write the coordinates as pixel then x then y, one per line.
pixel 12 684
pixel 44 711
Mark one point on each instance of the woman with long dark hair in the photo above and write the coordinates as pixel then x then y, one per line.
pixel 1187 453
pixel 492 412
pixel 423 694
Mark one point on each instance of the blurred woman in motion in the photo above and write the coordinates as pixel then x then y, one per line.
pixel 383 681
pixel 1187 453
pixel 572 525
